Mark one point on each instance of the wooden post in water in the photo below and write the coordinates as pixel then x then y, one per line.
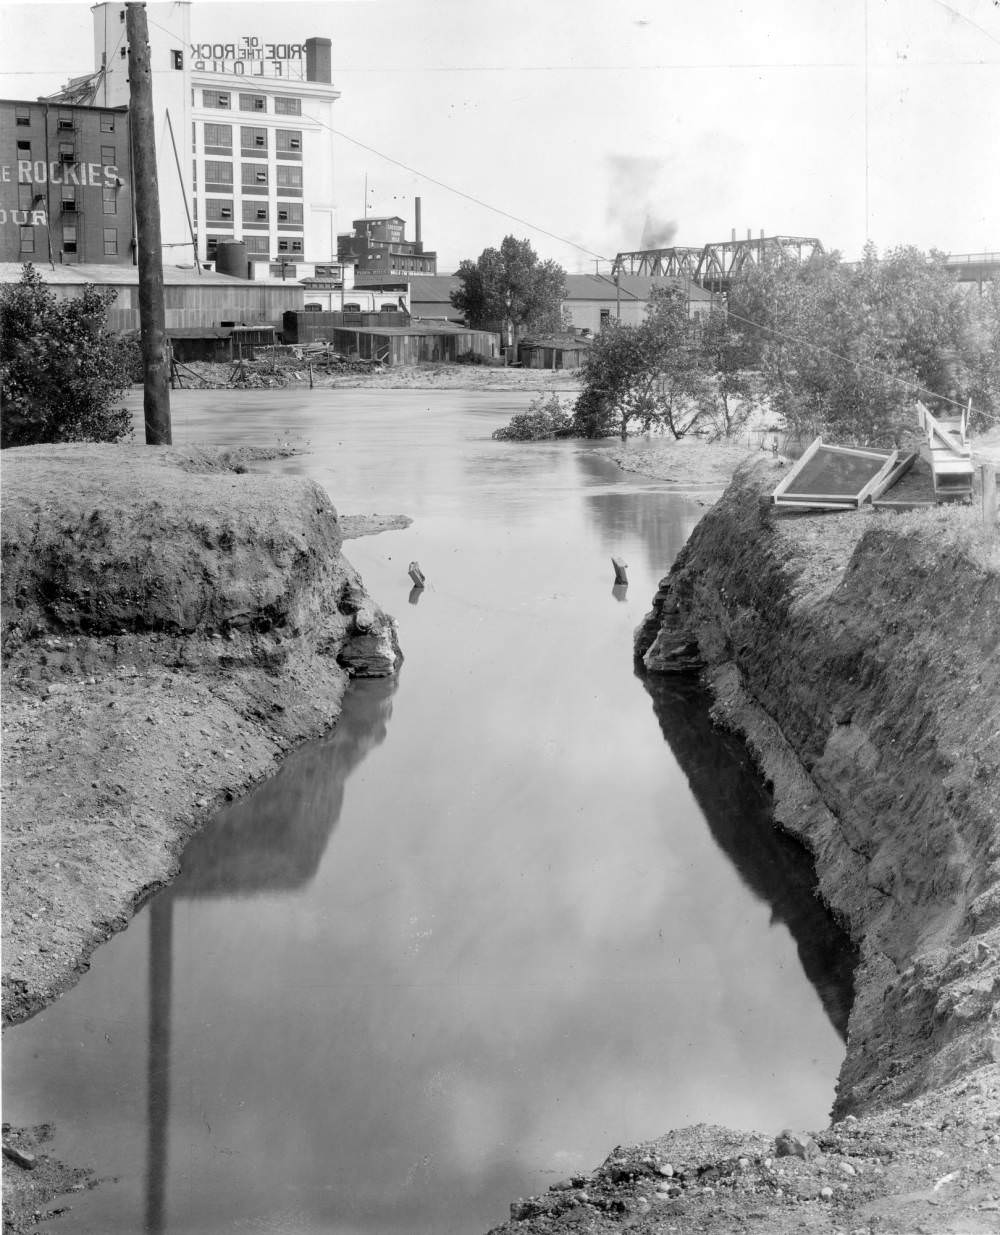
pixel 416 574
pixel 621 570
pixel 989 475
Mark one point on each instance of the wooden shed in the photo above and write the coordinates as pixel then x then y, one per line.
pixel 414 344
pixel 554 352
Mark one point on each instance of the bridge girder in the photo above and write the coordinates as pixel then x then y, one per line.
pixel 714 265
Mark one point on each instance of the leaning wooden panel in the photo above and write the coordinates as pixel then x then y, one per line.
pixel 877 479
pixel 833 476
pixel 796 467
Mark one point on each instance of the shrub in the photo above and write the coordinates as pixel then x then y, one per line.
pixel 545 418
pixel 60 369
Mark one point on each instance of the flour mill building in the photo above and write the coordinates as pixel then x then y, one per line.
pixel 243 142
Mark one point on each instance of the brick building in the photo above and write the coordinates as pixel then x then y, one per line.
pixel 379 247
pixel 65 180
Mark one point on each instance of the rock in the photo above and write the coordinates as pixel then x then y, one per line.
pixel 789 1144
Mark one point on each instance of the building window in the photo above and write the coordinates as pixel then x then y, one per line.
pixel 290 212
pixel 26 198
pixel 215 98
pixel 289 139
pixel 107 122
pixel 22 115
pixel 254 212
pixel 218 208
pixel 257 245
pixel 67 196
pixel 27 239
pixel 219 136
pixel 177 59
pixel 329 272
pixel 65 122
pixel 291 245
pixel 211 246
pixel 69 237
pixel 253 102
pixel 218 172
pixel 124 52
pixel 253 141
pixel 289 177
pixel 110 241
pixel 254 173
pixel 108 156
pixel 287 107
pixel 67 152
pixel 110 195
pixel 283 270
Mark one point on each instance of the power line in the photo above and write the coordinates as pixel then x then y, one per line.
pixel 573 244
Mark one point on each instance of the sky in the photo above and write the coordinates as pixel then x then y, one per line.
pixel 591 127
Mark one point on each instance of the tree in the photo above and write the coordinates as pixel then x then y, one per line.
pixel 845 350
pixel 731 391
pixel 60 369
pixel 511 290
pixel 645 375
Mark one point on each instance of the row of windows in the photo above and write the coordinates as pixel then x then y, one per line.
pixel 287 175
pixel 67 153
pixel 217 209
pixel 220 137
pixel 65 121
pixel 69 240
pixel 223 99
pixel 257 246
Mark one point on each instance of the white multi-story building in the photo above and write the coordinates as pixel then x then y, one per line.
pixel 243 137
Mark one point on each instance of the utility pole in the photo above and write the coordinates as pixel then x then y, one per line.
pixel 146 191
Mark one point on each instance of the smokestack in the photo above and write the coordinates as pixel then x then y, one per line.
pixel 749 233
pixel 734 235
pixel 416 220
pixel 318 63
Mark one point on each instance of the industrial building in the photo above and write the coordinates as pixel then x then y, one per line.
pixel 378 246
pixel 243 143
pixel 65 177
pixel 590 302
pixel 192 298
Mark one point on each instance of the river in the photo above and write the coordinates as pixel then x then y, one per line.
pixel 518 908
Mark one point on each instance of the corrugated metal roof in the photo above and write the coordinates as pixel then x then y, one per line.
pixel 126 276
pixel 416 328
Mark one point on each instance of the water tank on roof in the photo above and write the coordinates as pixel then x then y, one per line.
pixel 231 259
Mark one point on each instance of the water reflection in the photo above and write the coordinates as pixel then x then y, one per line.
pixel 622 519
pixel 271 841
pixel 737 808
pixel 274 839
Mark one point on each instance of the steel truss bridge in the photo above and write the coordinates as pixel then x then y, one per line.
pixel 714 266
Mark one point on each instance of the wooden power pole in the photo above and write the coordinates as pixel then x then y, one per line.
pixel 146 191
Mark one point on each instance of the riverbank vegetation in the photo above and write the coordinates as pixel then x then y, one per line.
pixel 820 347
pixel 61 369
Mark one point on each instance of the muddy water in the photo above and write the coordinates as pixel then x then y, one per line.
pixel 518 908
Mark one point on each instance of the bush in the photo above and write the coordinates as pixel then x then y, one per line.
pixel 60 369
pixel 544 419
pixel 470 357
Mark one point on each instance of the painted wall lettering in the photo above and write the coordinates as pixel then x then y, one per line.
pixel 84 175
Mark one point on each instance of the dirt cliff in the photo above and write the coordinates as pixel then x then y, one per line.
pixel 858 654
pixel 172 623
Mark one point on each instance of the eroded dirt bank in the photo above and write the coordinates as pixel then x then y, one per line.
pixel 858 654
pixel 172 623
